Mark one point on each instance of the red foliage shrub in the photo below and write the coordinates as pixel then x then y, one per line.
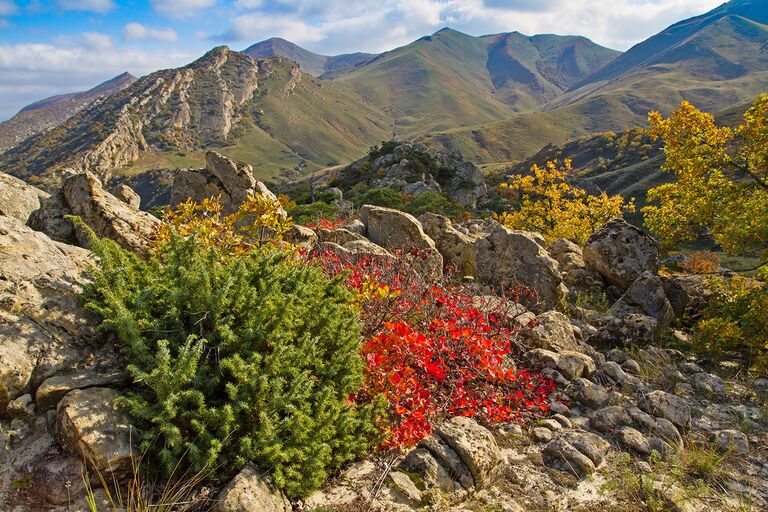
pixel 435 350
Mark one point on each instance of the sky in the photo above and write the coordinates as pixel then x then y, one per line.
pixel 58 46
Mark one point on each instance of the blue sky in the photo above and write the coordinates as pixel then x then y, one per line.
pixel 57 46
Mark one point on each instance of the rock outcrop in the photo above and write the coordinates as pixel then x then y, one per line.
pixel 18 199
pixel 250 491
pixel 84 196
pixel 621 252
pixel 222 177
pixel 455 246
pixel 508 259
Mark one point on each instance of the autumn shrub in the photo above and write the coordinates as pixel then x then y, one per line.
pixel 736 319
pixel 550 205
pixel 435 350
pixel 239 352
pixel 701 262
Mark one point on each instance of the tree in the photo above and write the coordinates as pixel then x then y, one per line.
pixel 556 209
pixel 721 186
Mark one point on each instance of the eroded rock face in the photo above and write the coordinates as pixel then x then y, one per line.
pixel 250 491
pixel 89 423
pixel 18 199
pixel 646 296
pixel 126 194
pixel 621 252
pixel 84 196
pixel 43 327
pixel 393 229
pixel 223 177
pixel 509 259
pixel 475 445
pixel 455 246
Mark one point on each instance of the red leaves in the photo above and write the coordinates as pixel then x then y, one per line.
pixel 432 354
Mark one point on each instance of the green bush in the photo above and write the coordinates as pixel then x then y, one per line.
pixel 385 197
pixel 312 212
pixel 433 202
pixel 237 359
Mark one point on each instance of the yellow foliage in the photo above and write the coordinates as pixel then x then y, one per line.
pixel 722 179
pixel 702 262
pixel 258 221
pixel 556 209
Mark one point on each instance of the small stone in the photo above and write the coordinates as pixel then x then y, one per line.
pixel 403 484
pixel 565 422
pixel 641 419
pixel 541 435
pixel 591 445
pixel 631 366
pixel 551 424
pixel 708 383
pixel 634 440
pixel 475 445
pixel 559 408
pixel 661 446
pixel 616 355
pixel 22 407
pixel 732 441
pixel 589 394
pixel 565 457
pixel 665 405
pixel 580 423
pixel 690 368
pixel 610 418
pixel 667 431
pixel 575 364
pixel 249 491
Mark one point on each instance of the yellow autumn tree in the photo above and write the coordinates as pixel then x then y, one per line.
pixel 555 208
pixel 720 191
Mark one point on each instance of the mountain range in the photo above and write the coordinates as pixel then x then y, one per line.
pixel 496 98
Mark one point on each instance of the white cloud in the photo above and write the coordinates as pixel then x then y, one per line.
pixel 181 8
pixel 100 6
pixel 97 41
pixel 7 7
pixel 137 31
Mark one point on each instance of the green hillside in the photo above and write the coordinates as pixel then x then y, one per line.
pixel 451 79
pixel 310 62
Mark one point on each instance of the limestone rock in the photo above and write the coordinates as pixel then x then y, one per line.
pixel 732 441
pixel 251 491
pixel 508 259
pixel 17 198
pixel 126 194
pixel 224 177
pixel 42 322
pixel 589 394
pixel 621 252
pixel 553 332
pixel 90 425
pixel 629 329
pixel 455 246
pixel 634 440
pixel 53 389
pixel 576 452
pixel 668 406
pixel 476 447
pixel 646 297
pixel 610 418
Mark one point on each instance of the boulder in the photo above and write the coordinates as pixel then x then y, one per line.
pixel 575 452
pixel 251 491
pixel 508 259
pixel 634 440
pixel 455 246
pixel 553 331
pixel 18 199
pixel 476 447
pixel 646 297
pixel 43 327
pixel 53 389
pixel 338 236
pixel 629 329
pixel 301 236
pixel 126 194
pixel 610 418
pixel 621 252
pixel 89 424
pixel 668 406
pixel 222 177
pixel 732 442
pixel 84 196
pixel 590 394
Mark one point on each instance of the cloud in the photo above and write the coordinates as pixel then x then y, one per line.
pixel 137 31
pixel 29 72
pixel 100 6
pixel 181 8
pixel 7 7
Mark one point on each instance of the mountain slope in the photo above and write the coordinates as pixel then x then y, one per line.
pixel 713 60
pixel 265 112
pixel 52 111
pixel 452 79
pixel 310 62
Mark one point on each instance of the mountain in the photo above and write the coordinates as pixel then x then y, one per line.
pixel 453 79
pixel 264 112
pixel 714 60
pixel 52 111
pixel 310 63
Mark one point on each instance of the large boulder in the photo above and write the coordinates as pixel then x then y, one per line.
pixel 251 491
pixel 84 196
pixel 621 252
pixel 222 177
pixel 17 198
pixel 646 296
pixel 90 424
pixel 396 230
pixel 455 246
pixel 476 447
pixel 509 259
pixel 43 327
pixel 552 331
